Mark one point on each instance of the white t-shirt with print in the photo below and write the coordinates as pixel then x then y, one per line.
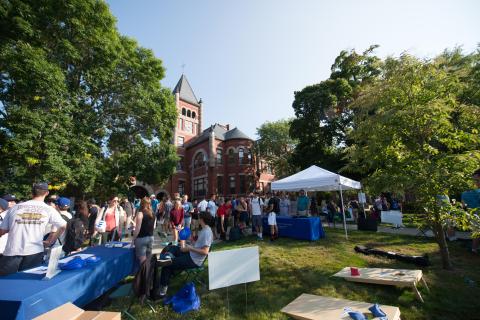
pixel 26 224
pixel 256 206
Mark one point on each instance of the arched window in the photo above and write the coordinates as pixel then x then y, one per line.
pixel 200 160
pixel 231 156
pixel 184 111
pixel 194 115
pixel 219 158
pixel 189 113
pixel 249 156
pixel 241 155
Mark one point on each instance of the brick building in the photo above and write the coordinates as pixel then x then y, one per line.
pixel 218 159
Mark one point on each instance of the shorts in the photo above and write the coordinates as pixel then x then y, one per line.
pixel 143 246
pixel 244 216
pixel 272 219
pixel 257 221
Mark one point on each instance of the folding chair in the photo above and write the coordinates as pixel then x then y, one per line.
pixel 194 274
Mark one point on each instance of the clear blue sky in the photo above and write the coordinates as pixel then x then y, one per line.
pixel 246 58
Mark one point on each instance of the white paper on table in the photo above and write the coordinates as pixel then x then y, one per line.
pixel 37 270
pixel 81 255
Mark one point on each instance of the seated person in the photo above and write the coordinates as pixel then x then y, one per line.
pixel 187 257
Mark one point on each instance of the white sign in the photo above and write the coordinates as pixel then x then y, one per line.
pixel 52 269
pixel 229 267
pixel 362 198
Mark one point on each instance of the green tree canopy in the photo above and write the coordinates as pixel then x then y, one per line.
pixel 276 146
pixel 417 130
pixel 80 105
pixel 322 111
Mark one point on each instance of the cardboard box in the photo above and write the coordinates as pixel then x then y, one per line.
pixel 69 311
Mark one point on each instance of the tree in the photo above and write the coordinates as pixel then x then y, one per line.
pixel 322 111
pixel 416 133
pixel 80 105
pixel 276 147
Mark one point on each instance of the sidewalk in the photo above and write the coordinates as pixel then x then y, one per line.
pixel 401 231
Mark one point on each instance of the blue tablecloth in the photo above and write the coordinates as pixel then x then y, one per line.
pixel 25 296
pixel 297 228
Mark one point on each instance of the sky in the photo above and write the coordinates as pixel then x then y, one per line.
pixel 245 59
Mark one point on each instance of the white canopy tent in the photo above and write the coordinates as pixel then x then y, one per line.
pixel 317 179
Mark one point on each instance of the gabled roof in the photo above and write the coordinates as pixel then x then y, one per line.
pixel 185 91
pixel 220 133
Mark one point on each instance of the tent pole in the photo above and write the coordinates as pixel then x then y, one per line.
pixel 343 209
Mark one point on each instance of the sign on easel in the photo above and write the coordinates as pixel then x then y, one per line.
pixel 230 267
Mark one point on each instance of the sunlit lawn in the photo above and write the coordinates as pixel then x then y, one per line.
pixel 290 267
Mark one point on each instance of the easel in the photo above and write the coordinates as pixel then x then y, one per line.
pixel 246 300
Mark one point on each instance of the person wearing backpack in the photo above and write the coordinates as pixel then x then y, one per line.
pixel 256 208
pixel 76 231
pixel 107 224
pixel 273 210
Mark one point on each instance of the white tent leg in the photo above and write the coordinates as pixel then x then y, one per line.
pixel 343 212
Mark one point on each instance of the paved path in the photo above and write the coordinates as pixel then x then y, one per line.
pixel 402 231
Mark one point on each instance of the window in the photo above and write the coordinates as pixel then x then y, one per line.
pixel 231 156
pixel 181 187
pixel 200 160
pixel 184 111
pixel 232 185
pixel 199 187
pixel 220 184
pixel 180 166
pixel 250 184
pixel 218 159
pixel 243 186
pixel 180 124
pixel 180 141
pixel 240 155
pixel 249 156
pixel 189 113
pixel 194 115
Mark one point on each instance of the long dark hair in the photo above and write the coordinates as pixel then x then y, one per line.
pixel 208 219
pixel 146 207
pixel 82 211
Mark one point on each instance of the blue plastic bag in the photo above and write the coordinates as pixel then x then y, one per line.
pixel 185 300
pixel 184 234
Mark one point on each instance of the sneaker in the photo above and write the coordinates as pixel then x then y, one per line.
pixel 161 293
pixel 258 238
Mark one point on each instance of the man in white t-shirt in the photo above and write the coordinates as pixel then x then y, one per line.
pixel 25 224
pixel 256 208
pixel 202 206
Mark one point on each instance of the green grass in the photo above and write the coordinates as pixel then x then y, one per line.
pixel 289 268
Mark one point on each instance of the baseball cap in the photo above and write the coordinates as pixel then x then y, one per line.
pixel 9 197
pixel 43 186
pixel 63 202
pixel 3 204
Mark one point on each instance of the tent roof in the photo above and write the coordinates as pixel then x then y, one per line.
pixel 315 179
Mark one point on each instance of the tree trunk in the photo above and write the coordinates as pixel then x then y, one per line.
pixel 442 243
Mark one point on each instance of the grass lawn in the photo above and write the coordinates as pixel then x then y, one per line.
pixel 290 267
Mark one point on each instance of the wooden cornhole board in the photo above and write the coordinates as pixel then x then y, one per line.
pixel 312 307
pixel 389 277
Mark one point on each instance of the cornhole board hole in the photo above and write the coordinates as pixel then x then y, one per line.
pixel 389 277
pixel 312 307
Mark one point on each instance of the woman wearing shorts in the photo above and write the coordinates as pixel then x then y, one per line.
pixel 143 235
pixel 177 217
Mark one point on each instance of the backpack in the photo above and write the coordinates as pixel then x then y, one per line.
pixel 74 236
pixel 235 234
